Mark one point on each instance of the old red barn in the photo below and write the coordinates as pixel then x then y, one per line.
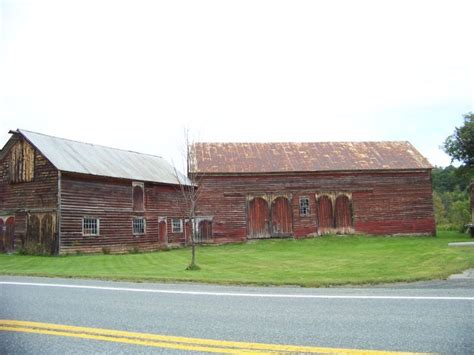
pixel 259 190
pixel 60 196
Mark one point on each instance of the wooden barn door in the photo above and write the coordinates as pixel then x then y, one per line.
pixel 48 235
pixel 2 236
pixel 163 231
pixel 282 223
pixel 9 234
pixel 258 216
pixel 325 215
pixel 33 234
pixel 343 213
pixel 204 231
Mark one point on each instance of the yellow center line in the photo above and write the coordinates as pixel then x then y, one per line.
pixel 171 342
pixel 175 346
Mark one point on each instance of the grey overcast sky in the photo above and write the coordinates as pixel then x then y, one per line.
pixel 132 74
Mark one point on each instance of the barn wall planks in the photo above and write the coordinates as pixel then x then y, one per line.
pixel 112 202
pixel 28 185
pixel 388 202
pixel 37 194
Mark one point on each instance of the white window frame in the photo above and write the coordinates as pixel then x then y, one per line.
pixel 97 220
pixel 180 230
pixel 133 225
pixel 308 210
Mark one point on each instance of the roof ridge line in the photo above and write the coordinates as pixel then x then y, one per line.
pixel 282 142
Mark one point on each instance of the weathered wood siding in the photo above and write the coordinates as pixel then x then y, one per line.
pixel 28 186
pixel 381 202
pixel 115 203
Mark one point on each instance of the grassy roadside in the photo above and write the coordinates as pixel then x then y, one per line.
pixel 323 261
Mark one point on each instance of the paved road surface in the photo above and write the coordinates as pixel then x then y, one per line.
pixel 420 317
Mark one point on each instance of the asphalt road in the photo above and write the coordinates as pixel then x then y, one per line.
pixel 419 317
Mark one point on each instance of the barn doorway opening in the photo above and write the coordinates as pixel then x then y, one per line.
pixel 162 230
pixel 204 230
pixel 9 234
pixel 48 235
pixel 41 237
pixel 258 218
pixel 282 222
pixel 343 213
pixel 325 214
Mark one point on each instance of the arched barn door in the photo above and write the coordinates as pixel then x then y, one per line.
pixel 2 236
pixel 282 223
pixel 258 216
pixel 325 213
pixel 9 234
pixel 162 232
pixel 343 213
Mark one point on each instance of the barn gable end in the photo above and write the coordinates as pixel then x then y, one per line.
pixel 62 196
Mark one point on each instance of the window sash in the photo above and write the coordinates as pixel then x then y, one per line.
pixel 177 225
pixel 138 225
pixel 90 226
pixel 304 206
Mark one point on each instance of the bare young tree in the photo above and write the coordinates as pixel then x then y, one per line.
pixel 189 187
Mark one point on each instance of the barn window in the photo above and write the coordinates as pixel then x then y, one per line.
pixel 22 162
pixel 304 206
pixel 138 225
pixel 138 196
pixel 90 226
pixel 177 225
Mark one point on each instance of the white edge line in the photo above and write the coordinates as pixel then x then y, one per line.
pixel 236 294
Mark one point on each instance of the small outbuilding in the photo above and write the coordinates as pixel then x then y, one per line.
pixel 60 196
pixel 263 190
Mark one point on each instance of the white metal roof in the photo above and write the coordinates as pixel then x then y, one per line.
pixel 85 158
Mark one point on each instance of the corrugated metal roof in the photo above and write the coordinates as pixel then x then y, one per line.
pixel 305 157
pixel 85 158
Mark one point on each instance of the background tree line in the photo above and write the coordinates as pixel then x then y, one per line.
pixel 451 198
pixel 451 194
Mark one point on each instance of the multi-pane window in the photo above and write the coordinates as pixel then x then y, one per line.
pixel 177 225
pixel 90 226
pixel 304 206
pixel 138 225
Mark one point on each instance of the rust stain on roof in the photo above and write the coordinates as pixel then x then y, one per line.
pixel 305 157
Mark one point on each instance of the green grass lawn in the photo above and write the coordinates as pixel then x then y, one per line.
pixel 321 261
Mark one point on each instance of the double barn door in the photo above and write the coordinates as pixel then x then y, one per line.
pixel 265 221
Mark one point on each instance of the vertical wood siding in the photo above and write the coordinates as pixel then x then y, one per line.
pixel 343 216
pixel 282 220
pixel 22 162
pixel 258 218
pixel 326 220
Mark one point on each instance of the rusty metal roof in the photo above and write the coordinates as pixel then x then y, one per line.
pixel 84 158
pixel 305 157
